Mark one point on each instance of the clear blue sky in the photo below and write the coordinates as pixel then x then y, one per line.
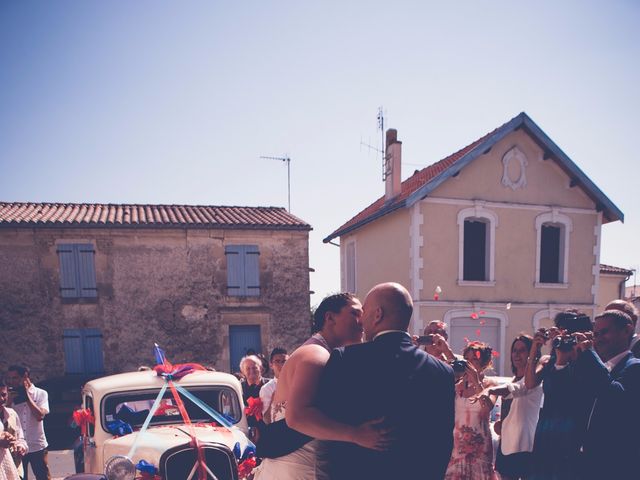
pixel 174 102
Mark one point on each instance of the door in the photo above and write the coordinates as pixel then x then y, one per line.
pixel 462 330
pixel 243 339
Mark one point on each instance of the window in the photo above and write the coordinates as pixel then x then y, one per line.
pixel 83 351
pixel 475 250
pixel 243 270
pixel 550 248
pixel 350 269
pixel 552 262
pixel 77 270
pixel 476 246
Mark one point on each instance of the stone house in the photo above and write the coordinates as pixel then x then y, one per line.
pixel 493 239
pixel 88 288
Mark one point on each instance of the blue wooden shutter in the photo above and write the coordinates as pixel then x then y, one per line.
pixel 69 284
pixel 83 351
pixel 235 270
pixel 252 270
pixel 86 270
pixel 73 351
pixel 93 358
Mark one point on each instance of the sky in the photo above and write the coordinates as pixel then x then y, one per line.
pixel 175 102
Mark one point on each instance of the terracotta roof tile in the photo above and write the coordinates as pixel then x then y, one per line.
pixel 24 214
pixel 615 270
pixel 410 185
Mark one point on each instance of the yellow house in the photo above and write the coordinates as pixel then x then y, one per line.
pixel 494 239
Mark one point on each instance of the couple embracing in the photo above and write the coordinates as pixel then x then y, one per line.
pixel 374 410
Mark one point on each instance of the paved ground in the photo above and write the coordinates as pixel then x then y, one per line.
pixel 60 464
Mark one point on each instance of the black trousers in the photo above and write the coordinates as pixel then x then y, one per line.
pixel 39 465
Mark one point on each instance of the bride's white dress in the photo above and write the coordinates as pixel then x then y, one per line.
pixel 306 463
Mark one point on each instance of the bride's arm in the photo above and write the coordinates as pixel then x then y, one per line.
pixel 302 415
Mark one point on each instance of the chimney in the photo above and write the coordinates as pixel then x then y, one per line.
pixel 392 162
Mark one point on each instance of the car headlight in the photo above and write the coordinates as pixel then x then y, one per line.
pixel 120 467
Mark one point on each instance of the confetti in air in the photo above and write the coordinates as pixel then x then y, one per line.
pixel 474 315
pixel 437 292
pixel 478 333
pixel 478 354
pixel 495 354
pixel 466 339
pixel 482 322
pixel 509 306
pixel 482 312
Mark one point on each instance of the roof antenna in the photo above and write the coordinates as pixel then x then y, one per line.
pixel 288 161
pixel 382 150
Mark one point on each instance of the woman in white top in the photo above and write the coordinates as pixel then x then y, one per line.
pixel 519 416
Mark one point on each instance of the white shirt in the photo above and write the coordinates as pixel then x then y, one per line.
pixel 32 427
pixel 612 362
pixel 266 394
pixel 519 426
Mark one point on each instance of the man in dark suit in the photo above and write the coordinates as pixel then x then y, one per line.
pixel 389 378
pixel 612 442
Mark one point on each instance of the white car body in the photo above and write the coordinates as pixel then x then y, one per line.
pixel 105 395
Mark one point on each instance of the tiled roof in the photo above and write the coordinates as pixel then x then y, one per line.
pixel 18 214
pixel 422 182
pixel 615 270
pixel 409 186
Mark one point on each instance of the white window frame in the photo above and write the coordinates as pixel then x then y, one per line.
pixel 483 213
pixel 555 218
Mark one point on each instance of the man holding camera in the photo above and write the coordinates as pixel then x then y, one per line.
pixel 611 445
pixel 31 404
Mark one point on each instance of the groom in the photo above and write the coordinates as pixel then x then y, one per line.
pixel 389 378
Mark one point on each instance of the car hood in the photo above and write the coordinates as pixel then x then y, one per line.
pixel 157 440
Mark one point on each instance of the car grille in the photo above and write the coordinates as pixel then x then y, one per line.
pixel 181 463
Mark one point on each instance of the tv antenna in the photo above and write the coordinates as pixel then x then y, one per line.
pixel 382 150
pixel 288 161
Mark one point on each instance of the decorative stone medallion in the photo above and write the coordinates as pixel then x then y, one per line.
pixel 514 164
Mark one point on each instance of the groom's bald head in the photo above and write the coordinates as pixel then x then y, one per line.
pixel 388 306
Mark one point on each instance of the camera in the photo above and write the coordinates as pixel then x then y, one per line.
pixel 425 340
pixel 564 343
pixel 459 366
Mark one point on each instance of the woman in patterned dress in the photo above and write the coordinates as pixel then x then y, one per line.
pixel 472 456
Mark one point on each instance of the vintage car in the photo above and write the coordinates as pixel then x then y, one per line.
pixel 125 400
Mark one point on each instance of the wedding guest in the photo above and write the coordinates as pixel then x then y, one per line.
pixel 631 310
pixel 563 417
pixel 611 444
pixel 518 416
pixel 31 404
pixel 11 439
pixel 277 360
pixel 472 457
pixel 251 368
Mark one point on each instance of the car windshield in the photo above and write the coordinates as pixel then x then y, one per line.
pixel 133 407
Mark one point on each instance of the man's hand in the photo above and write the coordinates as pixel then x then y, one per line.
pixel 584 341
pixel 373 435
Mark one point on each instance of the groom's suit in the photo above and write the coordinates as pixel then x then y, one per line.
pixel 391 378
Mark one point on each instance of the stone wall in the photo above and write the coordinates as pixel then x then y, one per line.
pixel 154 285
